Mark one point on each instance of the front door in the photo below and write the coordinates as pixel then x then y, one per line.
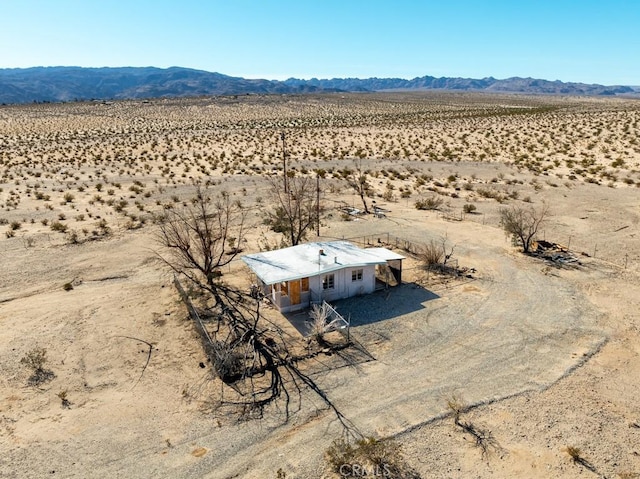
pixel 294 291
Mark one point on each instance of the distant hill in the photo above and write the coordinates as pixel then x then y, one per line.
pixel 514 85
pixel 53 84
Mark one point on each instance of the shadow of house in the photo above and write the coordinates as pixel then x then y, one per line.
pixel 371 308
pixel 386 304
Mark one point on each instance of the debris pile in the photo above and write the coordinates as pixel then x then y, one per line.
pixel 554 253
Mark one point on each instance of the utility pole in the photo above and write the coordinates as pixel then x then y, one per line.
pixel 284 163
pixel 317 204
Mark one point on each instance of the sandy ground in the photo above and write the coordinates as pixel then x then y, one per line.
pixel 546 357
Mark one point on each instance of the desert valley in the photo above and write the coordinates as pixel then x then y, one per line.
pixel 502 365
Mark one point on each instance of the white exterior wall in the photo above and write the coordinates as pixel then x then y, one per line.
pixel 344 287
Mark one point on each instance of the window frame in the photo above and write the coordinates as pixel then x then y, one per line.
pixel 328 281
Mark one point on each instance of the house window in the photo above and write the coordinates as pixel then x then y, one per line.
pixel 328 282
pixel 305 284
pixel 356 275
pixel 284 288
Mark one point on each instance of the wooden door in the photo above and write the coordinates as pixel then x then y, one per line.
pixel 294 291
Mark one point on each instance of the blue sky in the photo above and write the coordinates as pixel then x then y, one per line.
pixel 569 40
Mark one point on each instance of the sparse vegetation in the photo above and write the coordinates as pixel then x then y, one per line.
pixel 119 171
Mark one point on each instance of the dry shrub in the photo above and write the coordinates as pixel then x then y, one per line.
pixel 35 359
pixel 483 438
pixel 368 457
pixel 431 203
pixel 432 253
pixel 319 314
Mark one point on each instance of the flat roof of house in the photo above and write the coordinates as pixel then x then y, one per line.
pixel 311 259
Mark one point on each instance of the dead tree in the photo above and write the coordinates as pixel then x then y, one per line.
pixel 522 224
pixel 358 181
pixel 296 209
pixel 194 239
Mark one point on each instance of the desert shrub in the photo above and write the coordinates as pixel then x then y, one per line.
pixel 431 203
pixel 319 314
pixel 59 227
pixel 15 225
pixel 483 438
pixel 35 360
pixel 574 453
pixel 368 457
pixel 72 237
pixel 618 163
pixel 469 208
pixel 432 253
pixel 29 241
pixel 490 193
pixel 103 227
pixel 64 399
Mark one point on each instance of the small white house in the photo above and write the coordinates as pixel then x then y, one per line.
pixel 295 277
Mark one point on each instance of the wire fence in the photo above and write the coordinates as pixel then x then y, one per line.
pixel 574 243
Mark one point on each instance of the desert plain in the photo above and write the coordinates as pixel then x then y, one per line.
pixel 545 355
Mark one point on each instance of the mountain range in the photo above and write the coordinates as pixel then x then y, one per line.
pixel 59 84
